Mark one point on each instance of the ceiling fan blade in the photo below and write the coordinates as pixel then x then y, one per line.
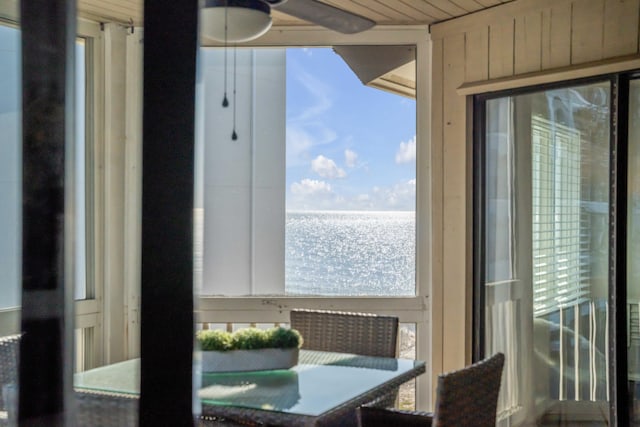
pixel 325 15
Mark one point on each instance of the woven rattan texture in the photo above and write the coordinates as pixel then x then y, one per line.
pixel 466 397
pixel 344 332
pixel 357 333
pixel 9 347
pixel 469 397
pixel 106 410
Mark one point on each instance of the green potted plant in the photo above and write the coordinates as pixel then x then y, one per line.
pixel 249 349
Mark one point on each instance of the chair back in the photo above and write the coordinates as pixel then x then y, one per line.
pixel 469 396
pixel 357 333
pixel 9 348
pixel 344 332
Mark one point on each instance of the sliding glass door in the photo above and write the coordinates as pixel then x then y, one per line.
pixel 542 250
pixel 633 251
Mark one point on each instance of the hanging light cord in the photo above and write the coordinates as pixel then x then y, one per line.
pixel 234 135
pixel 225 101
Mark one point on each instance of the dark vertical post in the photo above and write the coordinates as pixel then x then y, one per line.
pixel 619 394
pixel 477 110
pixel 45 375
pixel 170 47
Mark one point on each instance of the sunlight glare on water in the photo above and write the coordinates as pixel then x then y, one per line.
pixel 350 253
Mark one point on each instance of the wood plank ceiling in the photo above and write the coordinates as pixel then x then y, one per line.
pixel 383 12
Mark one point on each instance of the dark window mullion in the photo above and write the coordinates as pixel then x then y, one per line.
pixel 48 31
pixel 479 243
pixel 619 397
pixel 166 344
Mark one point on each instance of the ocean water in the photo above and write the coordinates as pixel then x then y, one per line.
pixel 350 253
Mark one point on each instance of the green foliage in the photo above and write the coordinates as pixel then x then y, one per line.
pixel 285 338
pixel 248 339
pixel 214 340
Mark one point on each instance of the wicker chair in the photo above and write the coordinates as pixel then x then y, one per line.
pixel 358 333
pixel 9 346
pixel 467 397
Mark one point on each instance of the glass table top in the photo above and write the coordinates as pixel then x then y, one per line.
pixel 319 383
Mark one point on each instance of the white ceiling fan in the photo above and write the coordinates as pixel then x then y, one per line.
pixel 243 20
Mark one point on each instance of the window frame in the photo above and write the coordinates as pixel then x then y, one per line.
pixel 617 299
pixel 88 312
pixel 410 309
pixel 9 317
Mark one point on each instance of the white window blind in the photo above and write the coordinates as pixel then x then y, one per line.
pixel 558 234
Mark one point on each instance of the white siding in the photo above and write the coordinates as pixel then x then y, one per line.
pixel 520 39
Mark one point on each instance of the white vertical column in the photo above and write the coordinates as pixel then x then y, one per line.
pixel 133 190
pixel 269 168
pixel 114 192
pixel 243 191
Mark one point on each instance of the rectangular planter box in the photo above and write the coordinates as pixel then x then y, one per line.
pixel 249 360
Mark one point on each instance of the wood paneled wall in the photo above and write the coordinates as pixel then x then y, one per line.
pixel 513 41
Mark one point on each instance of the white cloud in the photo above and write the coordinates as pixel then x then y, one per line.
pixel 407 151
pixel 401 196
pixel 311 194
pixel 327 168
pixel 309 187
pixel 350 158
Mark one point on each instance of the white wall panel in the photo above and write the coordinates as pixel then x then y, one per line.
pixel 244 182
pixel 528 41
pixel 528 46
pixel 556 36
pixel 501 49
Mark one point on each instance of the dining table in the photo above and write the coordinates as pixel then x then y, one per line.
pixel 321 389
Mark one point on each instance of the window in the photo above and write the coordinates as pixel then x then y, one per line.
pixel 316 195
pixel 261 216
pixel 80 200
pixel 545 226
pixel 10 175
pixel 10 171
pixel 11 179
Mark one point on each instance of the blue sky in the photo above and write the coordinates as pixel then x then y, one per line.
pixel 349 147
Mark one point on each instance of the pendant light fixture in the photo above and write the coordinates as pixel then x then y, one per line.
pixel 235 21
pixel 225 101
pixel 234 134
